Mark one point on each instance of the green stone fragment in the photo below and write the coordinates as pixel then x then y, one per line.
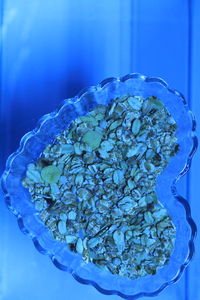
pixel 51 174
pixel 99 117
pixel 151 103
pixel 89 119
pixel 92 138
pixel 156 103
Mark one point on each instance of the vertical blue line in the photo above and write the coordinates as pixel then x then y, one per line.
pixel 120 38
pixel 1 26
pixel 1 49
pixel 190 31
pixel 189 100
pixel 132 37
pixel 134 10
pixel 1 70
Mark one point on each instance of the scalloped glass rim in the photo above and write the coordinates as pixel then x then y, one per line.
pixel 32 145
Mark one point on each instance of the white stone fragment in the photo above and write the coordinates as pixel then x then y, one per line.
pixel 77 148
pixel 132 151
pixel 79 246
pixel 63 216
pixel 70 238
pixel 136 126
pixel 62 180
pixel 67 148
pixel 131 184
pixel 127 203
pixel 34 175
pixel 39 204
pixel 54 189
pixel 118 176
pixel 94 242
pixel 79 179
pixel 118 237
pixel 160 214
pixel 107 145
pixel 71 215
pixel 148 217
pixel 62 227
pixel 135 103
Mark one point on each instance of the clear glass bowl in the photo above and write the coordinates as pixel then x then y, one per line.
pixel 32 145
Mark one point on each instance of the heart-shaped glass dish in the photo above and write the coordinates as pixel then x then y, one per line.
pixel 32 145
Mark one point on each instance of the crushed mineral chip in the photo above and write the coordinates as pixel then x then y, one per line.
pixel 135 102
pixel 54 189
pixel 107 145
pixel 71 215
pixel 67 148
pixel 118 237
pixel 114 125
pixel 92 138
pixel 118 176
pixel 127 203
pixel 136 126
pixel 94 242
pixel 70 239
pixel 79 246
pixel 79 179
pixel 50 174
pixel 33 174
pixel 39 204
pixel 62 227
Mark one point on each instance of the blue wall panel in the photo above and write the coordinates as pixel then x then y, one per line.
pixel 51 50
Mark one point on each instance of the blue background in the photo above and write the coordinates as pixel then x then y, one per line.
pixel 52 49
